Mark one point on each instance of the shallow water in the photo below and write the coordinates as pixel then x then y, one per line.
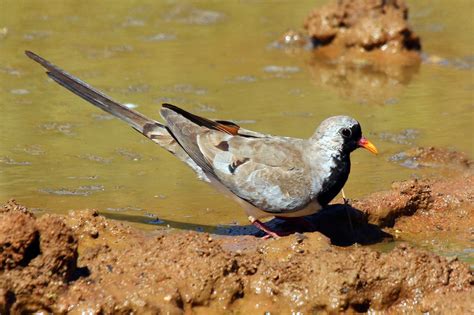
pixel 217 60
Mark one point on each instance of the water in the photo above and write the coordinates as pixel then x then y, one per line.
pixel 216 59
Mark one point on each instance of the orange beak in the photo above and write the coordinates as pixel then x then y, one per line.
pixel 364 143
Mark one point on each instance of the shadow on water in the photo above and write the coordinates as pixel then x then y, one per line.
pixel 343 225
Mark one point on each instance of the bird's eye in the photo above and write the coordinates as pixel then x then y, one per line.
pixel 346 133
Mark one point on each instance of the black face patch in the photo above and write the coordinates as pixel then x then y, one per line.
pixel 351 137
pixel 223 146
pixel 356 132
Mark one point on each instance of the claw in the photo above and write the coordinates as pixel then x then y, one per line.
pixel 261 226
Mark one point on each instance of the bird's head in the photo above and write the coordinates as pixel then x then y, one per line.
pixel 342 133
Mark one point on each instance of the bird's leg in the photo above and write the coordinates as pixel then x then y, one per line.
pixel 346 203
pixel 346 200
pixel 261 226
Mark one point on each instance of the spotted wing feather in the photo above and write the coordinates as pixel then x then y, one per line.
pixel 267 172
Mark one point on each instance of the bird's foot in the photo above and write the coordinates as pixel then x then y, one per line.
pixel 270 233
pixel 346 200
pixel 347 204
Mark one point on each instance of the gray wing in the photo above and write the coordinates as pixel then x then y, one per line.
pixel 268 172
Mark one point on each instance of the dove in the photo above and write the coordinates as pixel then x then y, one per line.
pixel 268 175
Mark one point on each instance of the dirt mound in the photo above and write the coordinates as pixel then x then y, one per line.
pixel 19 239
pixel 451 209
pixel 363 25
pixel 436 214
pixel 38 257
pixel 122 270
pixel 404 199
pixel 419 197
pixel 363 49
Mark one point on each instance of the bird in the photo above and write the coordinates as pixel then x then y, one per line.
pixel 268 175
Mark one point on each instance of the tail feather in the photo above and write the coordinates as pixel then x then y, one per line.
pixel 93 96
pixel 152 129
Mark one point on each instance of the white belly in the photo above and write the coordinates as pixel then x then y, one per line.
pixel 255 213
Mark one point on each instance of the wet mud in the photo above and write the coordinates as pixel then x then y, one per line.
pixel 365 50
pixel 86 262
pixel 362 27
pixel 431 157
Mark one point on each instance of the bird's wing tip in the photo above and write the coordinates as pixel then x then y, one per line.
pixel 170 106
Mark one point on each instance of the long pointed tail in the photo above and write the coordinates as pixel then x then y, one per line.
pixel 138 121
pixel 150 128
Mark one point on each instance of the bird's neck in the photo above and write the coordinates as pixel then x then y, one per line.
pixel 330 175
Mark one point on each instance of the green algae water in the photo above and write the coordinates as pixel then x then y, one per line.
pixel 219 60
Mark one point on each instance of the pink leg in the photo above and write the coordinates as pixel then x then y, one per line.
pixel 266 229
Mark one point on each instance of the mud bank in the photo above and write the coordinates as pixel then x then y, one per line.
pixel 366 50
pixel 351 30
pixel 85 262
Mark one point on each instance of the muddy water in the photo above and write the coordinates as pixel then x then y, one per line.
pixel 216 59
